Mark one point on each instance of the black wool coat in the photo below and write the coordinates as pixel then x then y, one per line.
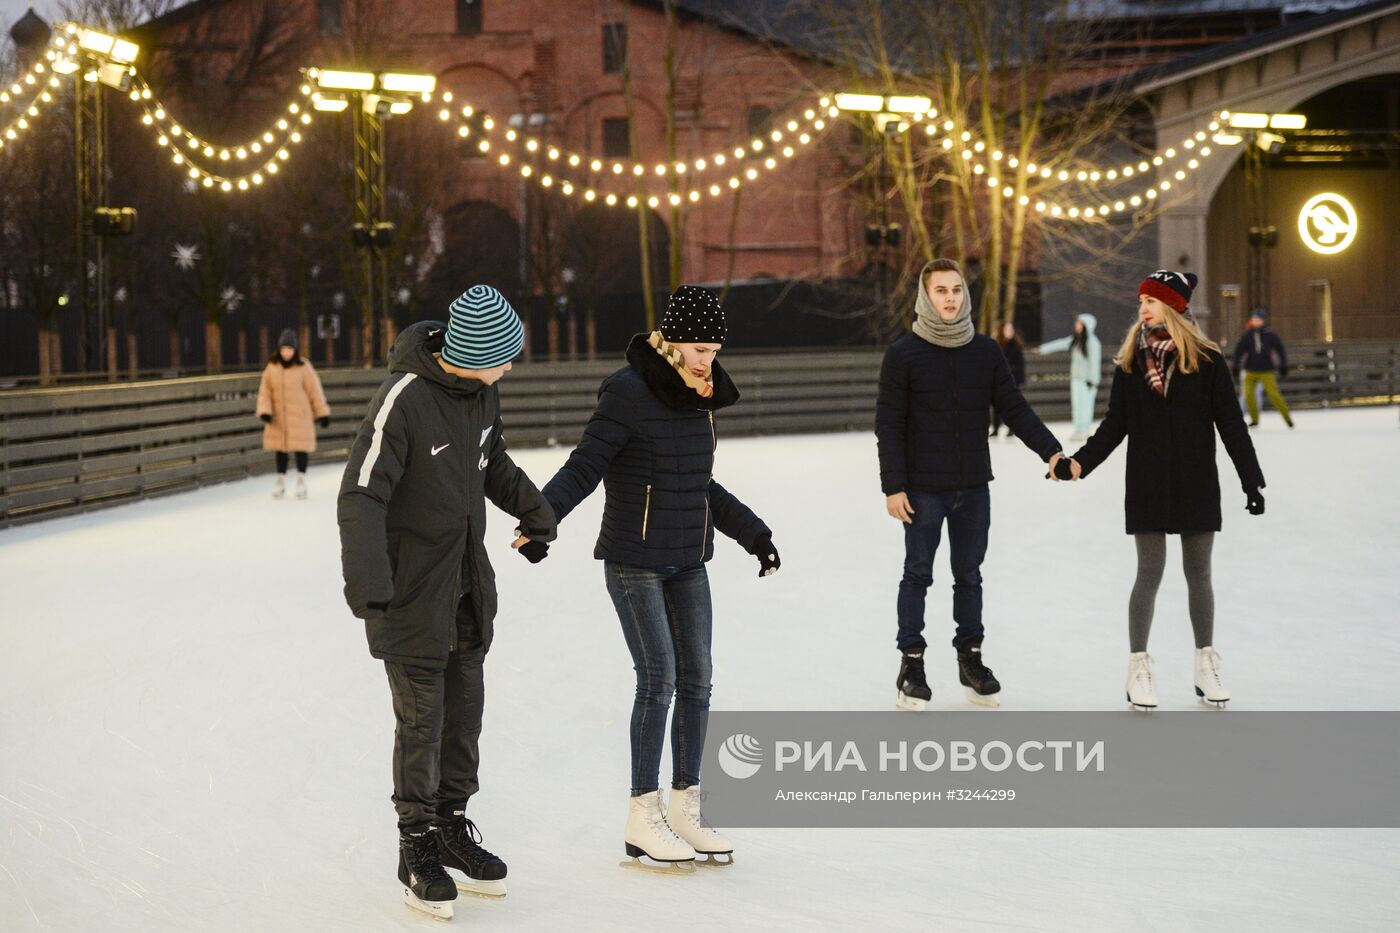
pixel 1172 484
pixel 932 414
pixel 412 505
pixel 651 442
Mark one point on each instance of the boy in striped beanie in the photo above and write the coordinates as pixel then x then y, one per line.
pixel 412 514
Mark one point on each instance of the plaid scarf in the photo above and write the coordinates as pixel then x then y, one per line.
pixel 1157 353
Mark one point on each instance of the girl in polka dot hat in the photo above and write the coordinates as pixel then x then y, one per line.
pixel 651 444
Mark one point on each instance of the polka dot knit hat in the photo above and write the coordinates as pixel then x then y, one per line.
pixel 483 330
pixel 693 315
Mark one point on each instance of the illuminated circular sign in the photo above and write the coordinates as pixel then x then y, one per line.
pixel 1327 223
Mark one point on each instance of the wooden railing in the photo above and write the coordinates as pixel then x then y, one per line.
pixel 74 449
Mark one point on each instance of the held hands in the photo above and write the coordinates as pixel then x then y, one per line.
pixel 1254 501
pixel 897 505
pixel 767 554
pixel 533 551
pixel 1064 468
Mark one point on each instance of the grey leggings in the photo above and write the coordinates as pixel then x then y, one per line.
pixel 1152 558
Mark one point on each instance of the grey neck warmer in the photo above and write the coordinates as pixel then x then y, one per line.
pixel 927 324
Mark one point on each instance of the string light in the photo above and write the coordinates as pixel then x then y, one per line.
pixel 160 117
pixel 682 169
pixel 269 150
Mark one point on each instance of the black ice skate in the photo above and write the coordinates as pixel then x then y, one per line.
pixel 914 693
pixel 426 885
pixel 459 844
pixel 983 688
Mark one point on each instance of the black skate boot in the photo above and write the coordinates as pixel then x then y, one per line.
pixel 914 693
pixel 426 885
pixel 982 685
pixel 459 843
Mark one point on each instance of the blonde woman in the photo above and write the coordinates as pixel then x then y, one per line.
pixel 1171 393
pixel 651 443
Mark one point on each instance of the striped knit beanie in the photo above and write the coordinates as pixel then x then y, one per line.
pixel 483 330
pixel 1172 289
pixel 693 315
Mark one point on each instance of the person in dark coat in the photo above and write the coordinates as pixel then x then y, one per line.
pixel 412 514
pixel 1171 394
pixel 651 443
pixel 936 386
pixel 1011 347
pixel 1261 355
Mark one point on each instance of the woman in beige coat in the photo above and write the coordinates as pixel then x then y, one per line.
pixel 290 403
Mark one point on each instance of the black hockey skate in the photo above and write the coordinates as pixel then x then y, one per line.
pixel 914 693
pixel 459 844
pixel 983 688
pixel 426 885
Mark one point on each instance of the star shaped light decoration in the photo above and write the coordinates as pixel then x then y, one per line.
pixel 185 256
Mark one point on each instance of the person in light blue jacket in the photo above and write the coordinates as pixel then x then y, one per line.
pixel 1085 370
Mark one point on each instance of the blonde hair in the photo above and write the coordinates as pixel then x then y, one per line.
pixel 1191 344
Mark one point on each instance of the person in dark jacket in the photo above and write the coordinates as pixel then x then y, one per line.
pixel 1261 354
pixel 936 386
pixel 1010 342
pixel 651 442
pixel 412 514
pixel 1171 393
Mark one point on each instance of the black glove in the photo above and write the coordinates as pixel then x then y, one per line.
pixel 324 422
pixel 767 554
pixel 1063 470
pixel 266 419
pixel 1254 501
pixel 534 551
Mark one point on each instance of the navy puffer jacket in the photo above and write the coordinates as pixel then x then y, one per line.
pixel 651 442
pixel 932 410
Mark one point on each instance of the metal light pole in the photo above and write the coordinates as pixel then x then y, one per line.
pixel 369 213
pixel 374 96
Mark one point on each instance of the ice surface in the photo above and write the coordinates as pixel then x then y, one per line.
pixel 193 736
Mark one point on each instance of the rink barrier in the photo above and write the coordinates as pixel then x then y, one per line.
pixel 66 450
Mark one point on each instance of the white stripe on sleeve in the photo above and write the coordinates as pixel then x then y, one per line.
pixel 377 440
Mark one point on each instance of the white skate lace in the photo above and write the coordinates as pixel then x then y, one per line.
pixel 1210 664
pixel 1142 674
pixel 692 810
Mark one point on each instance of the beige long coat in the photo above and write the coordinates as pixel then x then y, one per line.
pixel 292 395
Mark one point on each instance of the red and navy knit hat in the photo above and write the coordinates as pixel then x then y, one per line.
pixel 1172 289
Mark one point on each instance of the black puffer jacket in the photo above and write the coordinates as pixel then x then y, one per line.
pixel 932 414
pixel 651 442
pixel 1172 484
pixel 412 506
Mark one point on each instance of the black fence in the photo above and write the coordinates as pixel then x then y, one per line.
pixel 66 450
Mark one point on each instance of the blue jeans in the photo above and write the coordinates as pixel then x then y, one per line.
pixel 969 516
pixel 666 620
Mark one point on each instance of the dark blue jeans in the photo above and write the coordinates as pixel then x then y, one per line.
pixel 968 513
pixel 666 619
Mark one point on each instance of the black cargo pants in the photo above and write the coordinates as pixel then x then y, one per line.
pixel 437 717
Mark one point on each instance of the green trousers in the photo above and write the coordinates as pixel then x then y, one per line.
pixel 1251 399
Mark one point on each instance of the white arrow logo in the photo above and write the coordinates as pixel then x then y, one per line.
pixel 482 465
pixel 438 450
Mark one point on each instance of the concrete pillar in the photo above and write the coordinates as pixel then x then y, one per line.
pixel 1181 245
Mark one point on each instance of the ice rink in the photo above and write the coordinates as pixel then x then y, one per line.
pixel 194 737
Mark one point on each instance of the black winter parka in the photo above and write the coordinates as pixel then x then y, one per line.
pixel 412 505
pixel 1172 483
pixel 651 442
pixel 932 413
